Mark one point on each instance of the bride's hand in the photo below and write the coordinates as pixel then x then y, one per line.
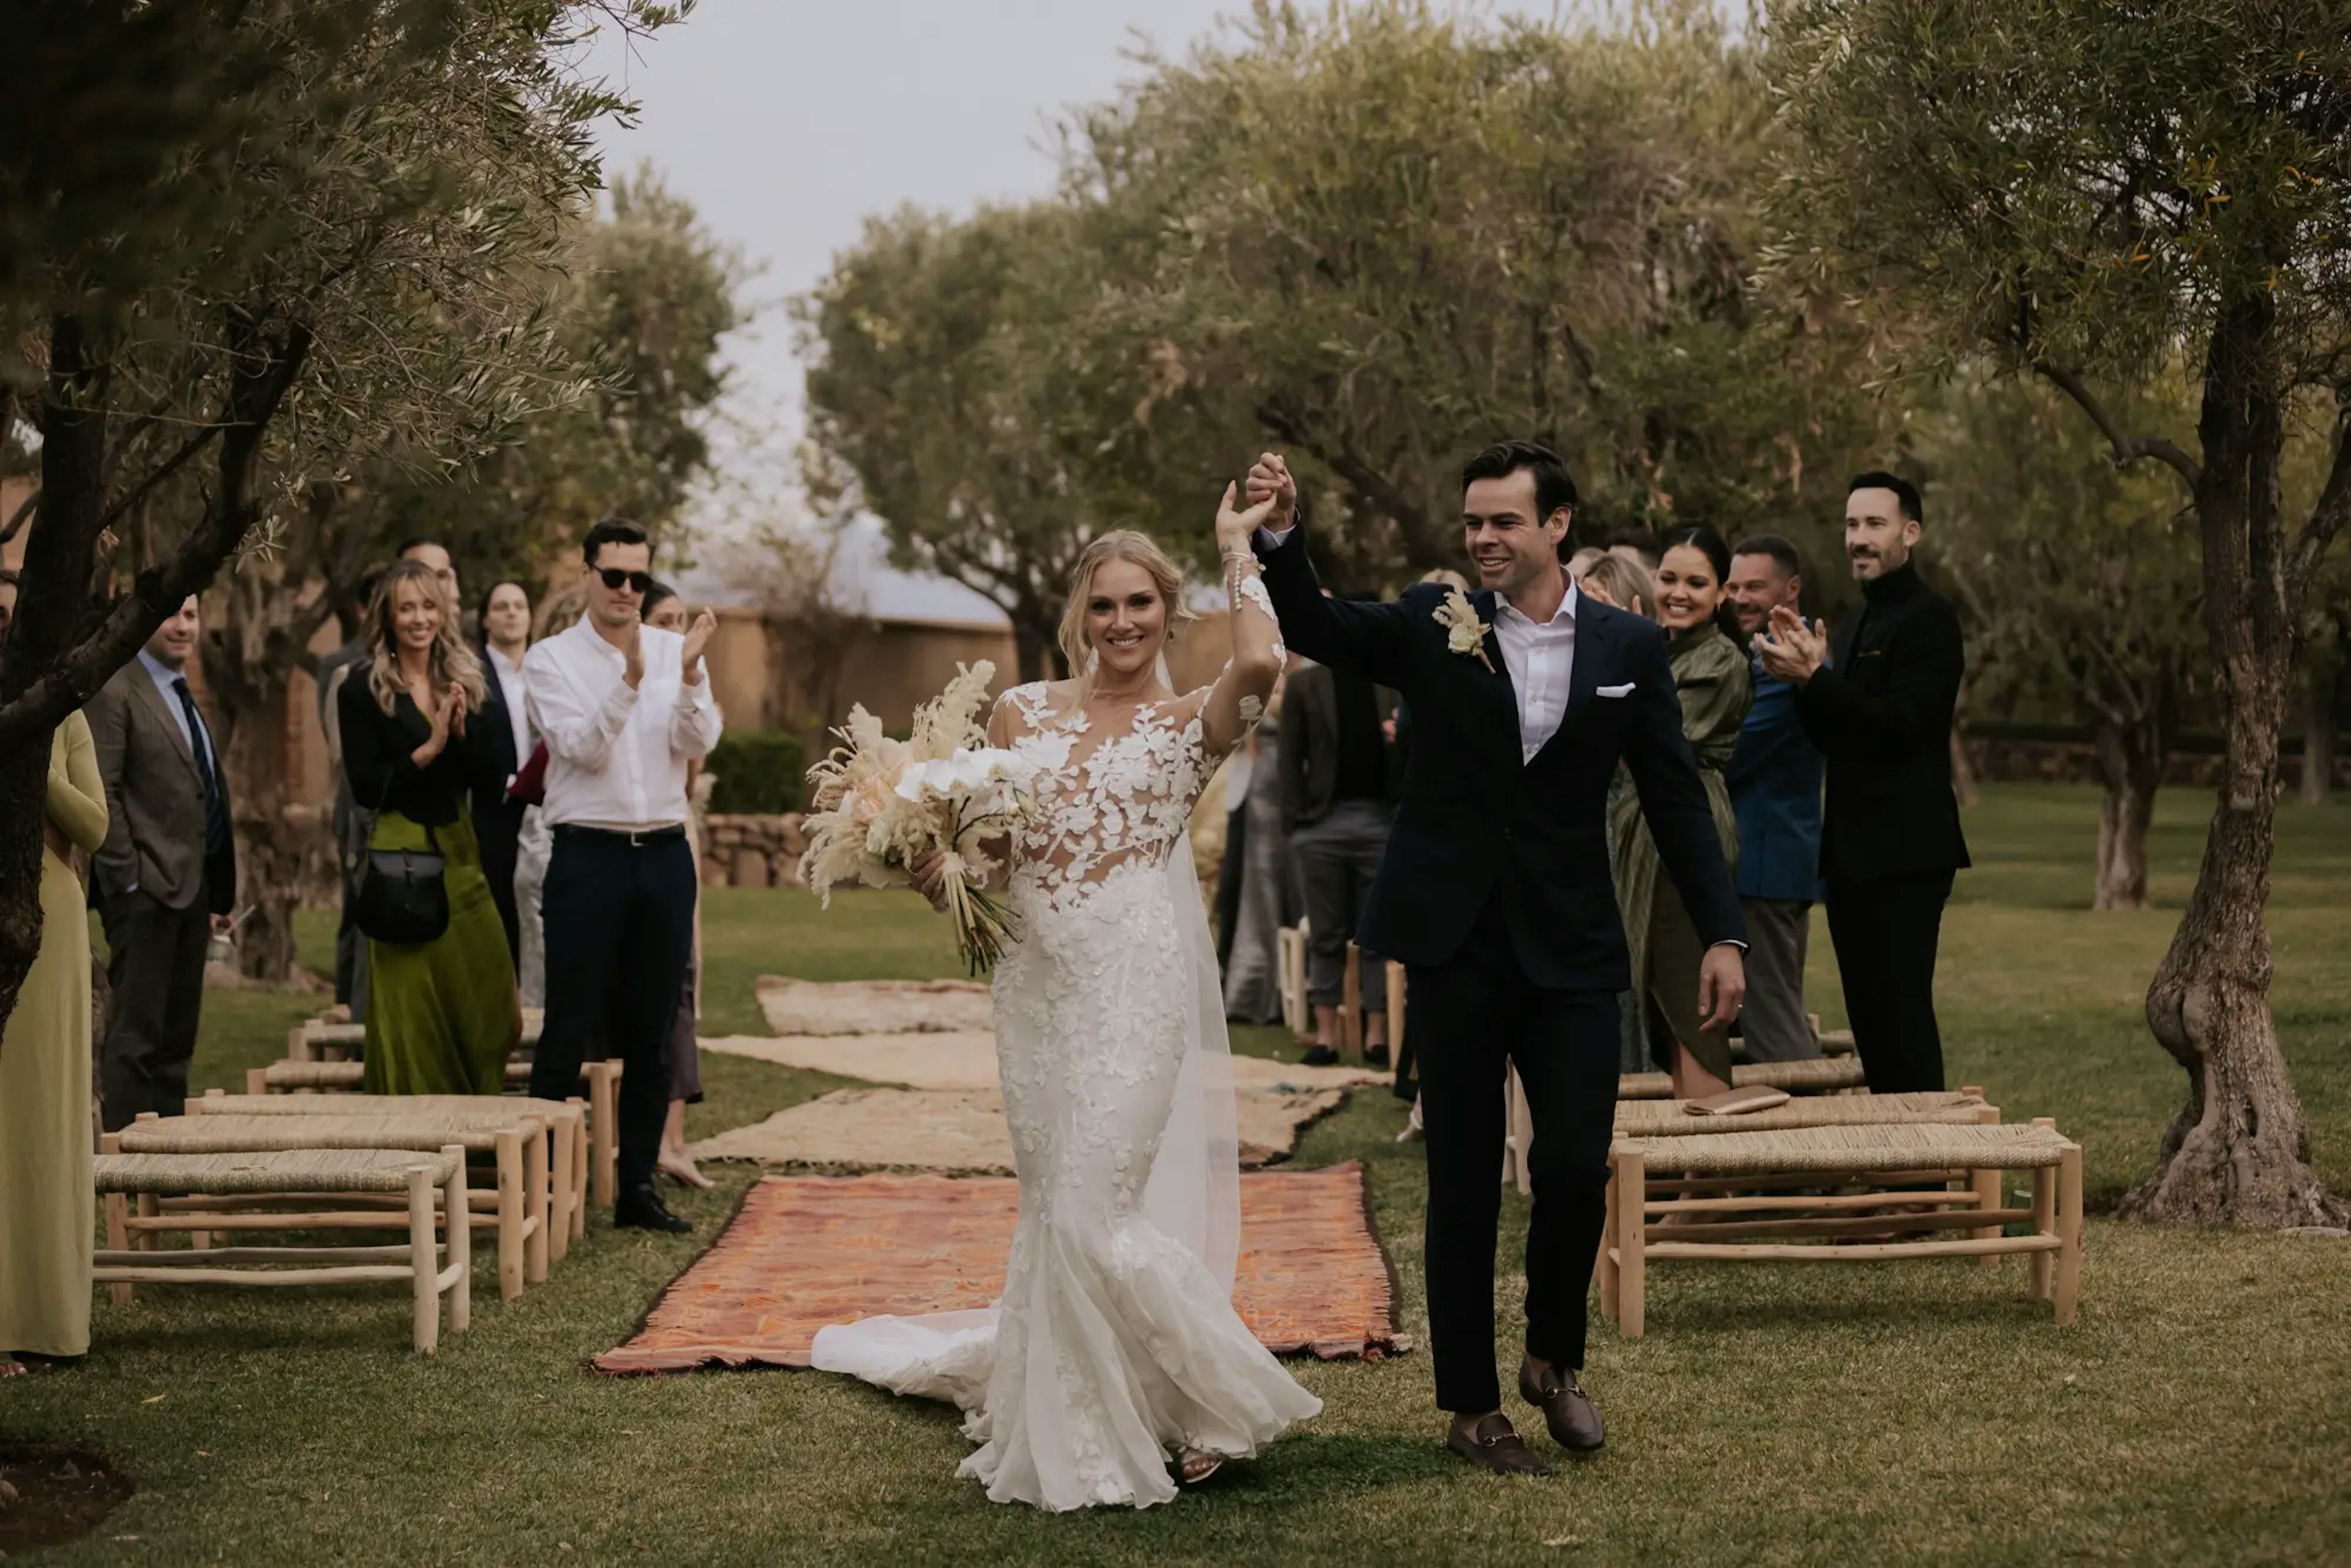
pixel 1236 530
pixel 930 878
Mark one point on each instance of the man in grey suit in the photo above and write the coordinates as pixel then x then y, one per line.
pixel 166 876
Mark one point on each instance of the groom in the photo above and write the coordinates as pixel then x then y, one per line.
pixel 1496 896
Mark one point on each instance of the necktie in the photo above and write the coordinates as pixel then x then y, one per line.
pixel 217 832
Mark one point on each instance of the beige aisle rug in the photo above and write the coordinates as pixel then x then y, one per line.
pixel 873 1006
pixel 965 1059
pixel 961 1131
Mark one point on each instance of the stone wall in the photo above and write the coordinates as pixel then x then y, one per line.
pixel 750 851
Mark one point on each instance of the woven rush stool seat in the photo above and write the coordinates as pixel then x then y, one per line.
pixel 518 1202
pixel 600 1079
pixel 1813 1075
pixel 1671 1118
pixel 564 1122
pixel 332 1037
pixel 422 1175
pixel 1720 1222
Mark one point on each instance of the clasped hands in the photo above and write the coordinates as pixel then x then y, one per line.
pixel 1792 649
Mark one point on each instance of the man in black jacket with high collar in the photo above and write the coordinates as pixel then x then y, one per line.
pixel 1496 894
pixel 1879 707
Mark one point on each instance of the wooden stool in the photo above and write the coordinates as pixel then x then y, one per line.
pixel 1289 969
pixel 333 1036
pixel 517 1201
pixel 1817 1075
pixel 149 1176
pixel 1881 1157
pixel 564 1121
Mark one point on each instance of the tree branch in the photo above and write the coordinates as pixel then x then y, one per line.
pixel 2129 449
pixel 16 518
pixel 157 475
pixel 2334 505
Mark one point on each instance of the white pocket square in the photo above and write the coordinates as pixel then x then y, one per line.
pixel 1624 691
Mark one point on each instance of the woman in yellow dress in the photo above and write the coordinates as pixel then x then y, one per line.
pixel 47 1211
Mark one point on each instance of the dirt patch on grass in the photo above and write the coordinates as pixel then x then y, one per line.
pixel 51 1495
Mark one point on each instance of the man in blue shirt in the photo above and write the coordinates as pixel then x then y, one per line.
pixel 1775 789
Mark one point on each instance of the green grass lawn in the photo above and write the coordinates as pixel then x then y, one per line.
pixel 1913 1413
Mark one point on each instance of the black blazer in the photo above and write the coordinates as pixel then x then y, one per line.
pixel 1308 753
pixel 1881 713
pixel 379 756
pixel 1478 822
pixel 494 762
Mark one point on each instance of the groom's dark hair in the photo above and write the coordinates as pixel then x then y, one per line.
pixel 1554 486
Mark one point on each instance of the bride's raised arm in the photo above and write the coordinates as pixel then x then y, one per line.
pixel 1238 700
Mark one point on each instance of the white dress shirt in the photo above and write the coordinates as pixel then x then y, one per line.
pixel 511 691
pixel 1541 657
pixel 617 757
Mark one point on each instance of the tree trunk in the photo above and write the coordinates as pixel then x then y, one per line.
pixel 2319 726
pixel 276 840
pixel 1030 644
pixel 2238 1153
pixel 2130 766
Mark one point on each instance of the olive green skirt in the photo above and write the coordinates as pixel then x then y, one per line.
pixel 441 1014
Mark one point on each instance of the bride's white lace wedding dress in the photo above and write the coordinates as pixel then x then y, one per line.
pixel 1114 1343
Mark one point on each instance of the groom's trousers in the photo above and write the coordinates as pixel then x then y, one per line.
pixel 1469 1020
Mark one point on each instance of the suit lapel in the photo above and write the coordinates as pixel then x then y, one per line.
pixel 1486 603
pixel 145 686
pixel 1595 650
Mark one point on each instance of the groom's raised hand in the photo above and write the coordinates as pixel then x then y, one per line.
pixel 1269 480
pixel 1722 985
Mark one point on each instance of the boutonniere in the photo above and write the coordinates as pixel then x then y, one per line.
pixel 1464 633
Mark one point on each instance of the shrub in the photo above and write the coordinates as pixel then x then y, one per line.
pixel 760 771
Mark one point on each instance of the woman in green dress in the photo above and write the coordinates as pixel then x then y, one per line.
pixel 46 1211
pixel 1711 672
pixel 442 1015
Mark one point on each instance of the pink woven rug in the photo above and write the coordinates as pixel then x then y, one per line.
pixel 806 1252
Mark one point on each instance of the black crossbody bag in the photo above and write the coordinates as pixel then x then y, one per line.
pixel 403 899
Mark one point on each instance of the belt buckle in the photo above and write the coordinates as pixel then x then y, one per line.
pixel 637 838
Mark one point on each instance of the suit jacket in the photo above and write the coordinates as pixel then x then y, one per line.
pixel 154 801
pixel 491 733
pixel 1309 755
pixel 1775 789
pixel 1881 713
pixel 1478 822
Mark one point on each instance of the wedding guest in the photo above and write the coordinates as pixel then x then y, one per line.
pixel 434 556
pixel 622 707
pixel 443 1014
pixel 1708 660
pixel 1618 578
pixel 1775 787
pixel 663 610
pixel 1880 711
pixel 502 742
pixel 165 877
pixel 1622 581
pixel 1340 783
pixel 1266 900
pixel 46 1211
pixel 1637 545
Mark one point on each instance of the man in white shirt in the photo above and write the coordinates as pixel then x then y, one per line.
pixel 622 708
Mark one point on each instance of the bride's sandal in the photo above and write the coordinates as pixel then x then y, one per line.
pixel 1196 1464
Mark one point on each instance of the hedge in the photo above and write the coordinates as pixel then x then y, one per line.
pixel 761 771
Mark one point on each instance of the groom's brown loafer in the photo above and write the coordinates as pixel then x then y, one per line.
pixel 1495 1445
pixel 1567 1411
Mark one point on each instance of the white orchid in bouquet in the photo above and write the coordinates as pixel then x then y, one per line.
pixel 878 806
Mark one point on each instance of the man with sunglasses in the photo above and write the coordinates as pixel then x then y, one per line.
pixel 622 707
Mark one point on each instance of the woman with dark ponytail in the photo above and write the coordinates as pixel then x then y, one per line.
pixel 1711 672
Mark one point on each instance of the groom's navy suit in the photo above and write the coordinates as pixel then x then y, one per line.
pixel 1498 897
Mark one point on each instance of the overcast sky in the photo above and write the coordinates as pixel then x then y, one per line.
pixel 785 123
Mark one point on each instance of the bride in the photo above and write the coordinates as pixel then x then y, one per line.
pixel 1114 1343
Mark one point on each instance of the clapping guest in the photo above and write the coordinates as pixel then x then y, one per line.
pixel 502 743
pixel 1710 675
pixel 665 611
pixel 442 1014
pixel 1617 576
pixel 622 707
pixel 1775 787
pixel 45 1205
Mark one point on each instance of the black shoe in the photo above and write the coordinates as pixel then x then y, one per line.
pixel 642 1208
pixel 1320 1056
pixel 1376 1056
pixel 1493 1444
pixel 1567 1410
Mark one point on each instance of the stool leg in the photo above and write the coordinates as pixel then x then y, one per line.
pixel 1604 1268
pixel 2044 1216
pixel 536 1196
pixel 460 1207
pixel 2069 1234
pixel 580 1163
pixel 423 1261
pixel 117 1239
pixel 1987 1185
pixel 570 1169
pixel 510 1214
pixel 1632 1178
pixel 603 1137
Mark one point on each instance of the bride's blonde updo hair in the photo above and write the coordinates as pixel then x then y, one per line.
pixel 1119 544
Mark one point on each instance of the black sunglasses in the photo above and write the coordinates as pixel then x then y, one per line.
pixel 616 579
